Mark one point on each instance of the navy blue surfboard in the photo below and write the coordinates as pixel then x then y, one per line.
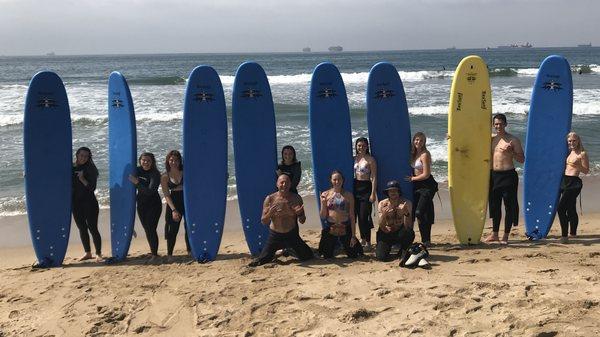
pixel 255 149
pixel 122 151
pixel 389 128
pixel 330 130
pixel 205 164
pixel 47 141
pixel 548 124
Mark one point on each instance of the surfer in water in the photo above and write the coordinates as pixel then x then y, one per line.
pixel 571 185
pixel 365 177
pixel 424 187
pixel 171 183
pixel 291 166
pixel 282 211
pixel 504 180
pixel 149 204
pixel 337 209
pixel 395 223
pixel 85 204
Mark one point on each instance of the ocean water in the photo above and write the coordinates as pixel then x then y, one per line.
pixel 157 84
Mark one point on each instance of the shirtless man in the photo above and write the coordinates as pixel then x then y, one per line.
pixel 281 212
pixel 395 224
pixel 504 180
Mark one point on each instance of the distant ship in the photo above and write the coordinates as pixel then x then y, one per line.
pixel 451 48
pixel 514 45
pixel 306 50
pixel 336 48
pixel 50 54
pixel 589 45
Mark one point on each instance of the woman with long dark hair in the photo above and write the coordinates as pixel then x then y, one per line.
pixel 290 166
pixel 365 182
pixel 171 184
pixel 85 204
pixel 149 204
pixel 424 186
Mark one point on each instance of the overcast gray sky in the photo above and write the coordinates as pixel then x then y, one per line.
pixel 172 26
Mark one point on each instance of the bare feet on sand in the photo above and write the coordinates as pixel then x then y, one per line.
pixel 492 238
pixel 504 240
pixel 87 256
pixel 99 258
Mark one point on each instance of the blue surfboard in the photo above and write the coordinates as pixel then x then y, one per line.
pixel 205 153
pixel 389 128
pixel 255 149
pixel 122 151
pixel 330 130
pixel 546 150
pixel 47 141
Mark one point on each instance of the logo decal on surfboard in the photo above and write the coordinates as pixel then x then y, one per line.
pixel 471 77
pixel 251 93
pixel 552 85
pixel 327 93
pixel 203 97
pixel 383 94
pixel 117 103
pixel 47 103
pixel 459 98
pixel 484 100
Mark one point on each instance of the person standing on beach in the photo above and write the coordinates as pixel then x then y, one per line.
pixel 290 166
pixel 571 185
pixel 504 180
pixel 171 183
pixel 149 205
pixel 424 187
pixel 395 223
pixel 282 211
pixel 365 178
pixel 337 209
pixel 85 204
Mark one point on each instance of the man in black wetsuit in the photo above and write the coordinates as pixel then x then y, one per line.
pixel 281 212
pixel 504 180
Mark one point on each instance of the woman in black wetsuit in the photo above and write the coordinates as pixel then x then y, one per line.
pixel 571 185
pixel 290 166
pixel 365 184
pixel 171 183
pixel 149 204
pixel 424 187
pixel 85 204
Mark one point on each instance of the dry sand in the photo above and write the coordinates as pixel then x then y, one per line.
pixel 523 289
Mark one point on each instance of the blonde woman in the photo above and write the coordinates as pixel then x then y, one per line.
pixel 570 187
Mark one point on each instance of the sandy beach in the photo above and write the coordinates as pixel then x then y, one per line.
pixel 524 289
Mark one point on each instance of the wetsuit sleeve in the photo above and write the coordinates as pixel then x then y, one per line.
pixel 151 187
pixel 92 179
pixel 296 174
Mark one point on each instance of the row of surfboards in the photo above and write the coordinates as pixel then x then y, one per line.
pixel 48 150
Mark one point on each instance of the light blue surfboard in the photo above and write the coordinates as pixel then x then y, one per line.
pixel 330 130
pixel 546 150
pixel 255 149
pixel 122 151
pixel 205 164
pixel 389 128
pixel 47 141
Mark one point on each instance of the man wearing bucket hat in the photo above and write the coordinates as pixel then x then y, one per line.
pixel 395 223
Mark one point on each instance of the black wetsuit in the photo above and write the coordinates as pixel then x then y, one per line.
pixel 403 236
pixel 423 209
pixel 294 171
pixel 149 205
pixel 328 242
pixel 172 226
pixel 503 187
pixel 290 240
pixel 570 188
pixel 85 207
pixel 363 207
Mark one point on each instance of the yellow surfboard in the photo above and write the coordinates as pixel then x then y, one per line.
pixel 469 143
